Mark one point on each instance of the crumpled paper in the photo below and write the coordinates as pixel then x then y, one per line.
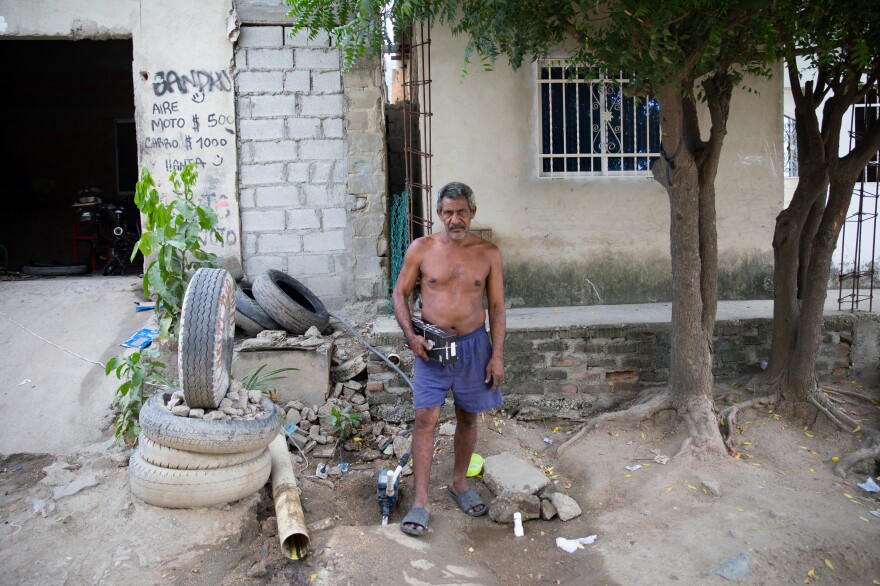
pixel 572 545
pixel 869 485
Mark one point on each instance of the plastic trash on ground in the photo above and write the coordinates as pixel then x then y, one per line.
pixel 869 485
pixel 141 338
pixel 476 465
pixel 572 545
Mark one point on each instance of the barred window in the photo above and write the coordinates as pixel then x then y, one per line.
pixel 789 144
pixel 590 127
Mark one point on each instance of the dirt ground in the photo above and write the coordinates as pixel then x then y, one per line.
pixel 779 505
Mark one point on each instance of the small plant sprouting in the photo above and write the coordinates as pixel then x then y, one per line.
pixel 137 370
pixel 343 421
pixel 257 380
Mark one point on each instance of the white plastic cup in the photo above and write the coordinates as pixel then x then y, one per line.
pixel 517 525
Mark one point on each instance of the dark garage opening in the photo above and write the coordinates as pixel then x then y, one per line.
pixel 68 160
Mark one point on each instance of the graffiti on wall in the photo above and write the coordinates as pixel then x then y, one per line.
pixel 190 119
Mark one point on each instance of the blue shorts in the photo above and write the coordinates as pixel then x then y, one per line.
pixel 466 377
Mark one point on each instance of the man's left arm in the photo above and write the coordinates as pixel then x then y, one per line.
pixel 497 319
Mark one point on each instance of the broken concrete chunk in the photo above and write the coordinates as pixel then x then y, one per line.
pixel 196 413
pixel 353 385
pixel 566 507
pixel 232 396
pixel 349 369
pixel 324 452
pixel 325 523
pixel 313 332
pixel 506 473
pixel 548 511
pixel 503 507
pixel 254 397
pixel 180 410
pixel 214 415
pixel 400 445
pixel 225 403
pixel 357 399
pixel 293 416
pixel 174 402
pixel 298 405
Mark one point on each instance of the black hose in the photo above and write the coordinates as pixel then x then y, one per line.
pixel 373 350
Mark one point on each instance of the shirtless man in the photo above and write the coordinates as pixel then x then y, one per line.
pixel 457 269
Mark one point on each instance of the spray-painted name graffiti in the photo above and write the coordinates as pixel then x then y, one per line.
pixel 166 82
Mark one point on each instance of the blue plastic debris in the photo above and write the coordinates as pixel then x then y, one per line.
pixel 141 338
pixel 290 428
pixel 145 307
pixel 343 467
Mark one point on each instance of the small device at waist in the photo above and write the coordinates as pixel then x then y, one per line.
pixel 442 342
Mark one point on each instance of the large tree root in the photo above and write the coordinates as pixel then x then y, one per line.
pixel 847 423
pixel 872 452
pixel 647 405
pixel 727 417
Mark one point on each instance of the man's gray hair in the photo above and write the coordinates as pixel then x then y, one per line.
pixel 456 190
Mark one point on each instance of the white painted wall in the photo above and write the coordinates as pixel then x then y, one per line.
pixel 71 19
pixel 485 134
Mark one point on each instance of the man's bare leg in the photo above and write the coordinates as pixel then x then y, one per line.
pixel 422 455
pixel 465 442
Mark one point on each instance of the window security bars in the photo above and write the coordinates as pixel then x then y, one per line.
pixel 589 127
pixel 789 144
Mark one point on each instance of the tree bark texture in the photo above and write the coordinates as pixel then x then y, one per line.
pixel 693 247
pixel 806 232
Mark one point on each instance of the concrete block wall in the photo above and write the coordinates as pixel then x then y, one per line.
pixel 574 372
pixel 311 164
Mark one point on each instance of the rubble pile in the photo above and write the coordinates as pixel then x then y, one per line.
pixel 239 403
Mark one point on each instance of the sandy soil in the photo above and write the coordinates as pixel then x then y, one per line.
pixel 779 505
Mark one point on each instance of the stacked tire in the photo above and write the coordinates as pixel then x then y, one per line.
pixel 183 462
pixel 277 301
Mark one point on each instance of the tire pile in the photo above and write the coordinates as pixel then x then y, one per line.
pixel 183 461
pixel 277 301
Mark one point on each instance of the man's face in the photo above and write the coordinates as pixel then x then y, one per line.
pixel 456 217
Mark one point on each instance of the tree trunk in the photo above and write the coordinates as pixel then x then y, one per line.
pixel 691 348
pixel 806 236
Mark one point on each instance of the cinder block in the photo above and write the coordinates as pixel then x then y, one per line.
pixel 301 39
pixel 262 174
pixel 274 243
pixel 256 264
pixel 249 244
pixel 254 82
pixel 326 82
pixel 270 59
pixel 360 78
pixel 369 142
pixel 333 128
pixel 303 220
pixel 297 81
pixel 286 196
pixel 323 196
pixel 364 101
pixel 323 106
pixel 246 199
pixel 322 149
pixel 272 151
pixel 329 287
pixel 366 183
pixel 321 171
pixel 271 106
pixel 297 172
pixel 261 36
pixel 262 220
pixel 260 129
pixel 368 266
pixel 334 218
pixel 299 128
pixel 324 241
pixel 309 384
pixel 363 245
pixel 317 58
pixel 303 265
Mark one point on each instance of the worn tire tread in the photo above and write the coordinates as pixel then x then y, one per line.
pixel 207 436
pixel 164 457
pixel 295 317
pixel 181 489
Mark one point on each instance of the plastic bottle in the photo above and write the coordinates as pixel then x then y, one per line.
pixel 517 525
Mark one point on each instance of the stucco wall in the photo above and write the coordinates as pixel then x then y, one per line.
pixel 594 240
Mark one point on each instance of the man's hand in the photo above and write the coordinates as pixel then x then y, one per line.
pixel 420 346
pixel 495 372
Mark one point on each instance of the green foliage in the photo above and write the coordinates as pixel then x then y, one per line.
pixel 173 237
pixel 656 42
pixel 343 421
pixel 257 380
pixel 137 370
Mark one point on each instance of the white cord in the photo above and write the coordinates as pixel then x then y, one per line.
pixel 102 365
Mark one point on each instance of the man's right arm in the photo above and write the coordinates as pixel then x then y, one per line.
pixel 406 282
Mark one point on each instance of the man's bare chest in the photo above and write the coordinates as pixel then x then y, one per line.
pixel 455 272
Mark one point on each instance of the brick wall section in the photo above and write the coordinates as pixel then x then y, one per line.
pixel 311 182
pixel 570 373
